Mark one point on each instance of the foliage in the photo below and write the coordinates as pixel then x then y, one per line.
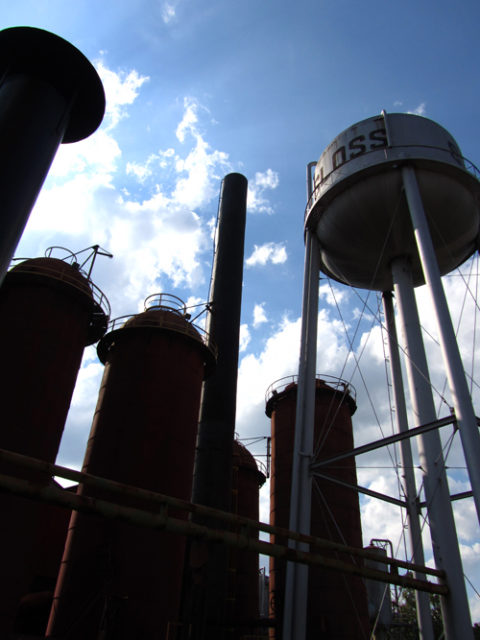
pixel 405 617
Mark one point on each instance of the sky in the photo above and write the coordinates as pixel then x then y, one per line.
pixel 196 90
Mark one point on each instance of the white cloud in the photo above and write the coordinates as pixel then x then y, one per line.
pixel 333 295
pixel 268 252
pixel 202 166
pixel 189 120
pixel 121 90
pixel 259 315
pixel 420 110
pixel 256 200
pixel 244 337
pixel 168 11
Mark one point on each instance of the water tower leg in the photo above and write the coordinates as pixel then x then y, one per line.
pixel 296 582
pixel 455 611
pixel 424 617
pixel 462 401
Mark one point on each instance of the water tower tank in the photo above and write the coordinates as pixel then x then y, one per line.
pixel 117 577
pixel 358 209
pixel 49 312
pixel 337 604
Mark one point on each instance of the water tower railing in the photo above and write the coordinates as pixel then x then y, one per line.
pixel 468 165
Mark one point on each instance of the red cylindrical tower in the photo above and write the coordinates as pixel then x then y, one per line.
pixel 337 604
pixel 123 580
pixel 48 313
pixel 243 565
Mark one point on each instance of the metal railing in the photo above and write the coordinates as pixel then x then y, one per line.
pixel 87 287
pixel 469 166
pixel 337 384
pixel 163 322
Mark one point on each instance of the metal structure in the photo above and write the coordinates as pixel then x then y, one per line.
pixel 49 94
pixel 49 312
pixel 157 516
pixel 392 205
pixel 204 600
pixel 336 604
pixel 116 579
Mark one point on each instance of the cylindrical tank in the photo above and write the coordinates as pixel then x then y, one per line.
pixel 359 211
pixel 244 565
pixel 337 604
pixel 48 313
pixel 116 578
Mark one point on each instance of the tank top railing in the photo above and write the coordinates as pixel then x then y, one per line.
pixel 188 329
pixel 87 287
pixel 337 384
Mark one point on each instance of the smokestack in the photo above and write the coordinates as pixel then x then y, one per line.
pixel 205 603
pixel 49 94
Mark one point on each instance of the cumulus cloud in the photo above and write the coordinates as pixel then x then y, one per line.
pixel 256 200
pixel 272 252
pixel 259 315
pixel 121 90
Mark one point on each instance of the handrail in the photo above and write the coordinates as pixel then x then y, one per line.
pixel 87 287
pixel 188 328
pixel 469 166
pixel 336 383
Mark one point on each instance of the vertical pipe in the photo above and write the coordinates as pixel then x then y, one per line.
pixel 455 611
pixel 49 94
pixel 295 609
pixel 213 461
pixel 425 626
pixel 462 401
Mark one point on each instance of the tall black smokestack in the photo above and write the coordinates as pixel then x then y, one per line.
pixel 213 464
pixel 49 94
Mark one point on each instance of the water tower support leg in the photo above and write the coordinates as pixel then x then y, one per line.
pixel 462 401
pixel 296 583
pixel 455 611
pixel 424 617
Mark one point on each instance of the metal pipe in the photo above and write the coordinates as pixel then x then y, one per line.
pixel 455 611
pixel 383 442
pixel 127 491
pixel 457 381
pixel 164 521
pixel 424 617
pixel 296 582
pixel 49 94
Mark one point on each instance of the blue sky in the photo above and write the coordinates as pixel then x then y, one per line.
pixel 198 89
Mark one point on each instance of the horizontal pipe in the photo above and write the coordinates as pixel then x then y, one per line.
pixel 168 501
pixel 94 506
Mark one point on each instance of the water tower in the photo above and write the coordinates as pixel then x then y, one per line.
pixel 390 207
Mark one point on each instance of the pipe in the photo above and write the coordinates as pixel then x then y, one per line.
pixel 126 491
pixel 163 521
